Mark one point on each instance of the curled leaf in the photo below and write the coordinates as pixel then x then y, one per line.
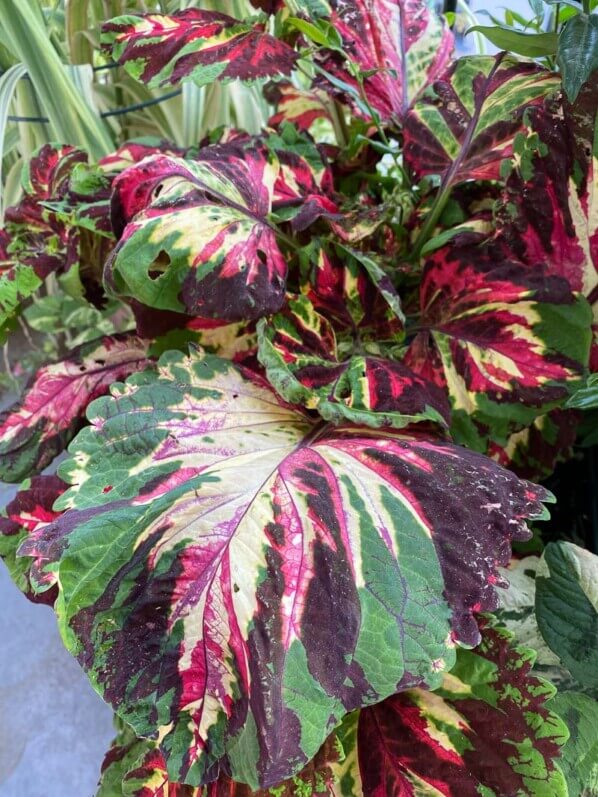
pixel 195 235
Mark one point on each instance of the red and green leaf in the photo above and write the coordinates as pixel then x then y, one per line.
pixel 41 424
pixel 508 342
pixel 299 350
pixel 136 768
pixel 271 573
pixel 545 215
pixel 28 512
pixel 195 237
pixel 296 106
pixel 534 452
pixel 398 46
pixel 486 730
pixel 194 44
pixel 464 125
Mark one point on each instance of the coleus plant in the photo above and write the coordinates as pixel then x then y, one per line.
pixel 291 491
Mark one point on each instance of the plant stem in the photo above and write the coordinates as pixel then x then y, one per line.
pixel 430 222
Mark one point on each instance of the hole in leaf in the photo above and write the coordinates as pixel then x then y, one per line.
pixel 158 190
pixel 262 256
pixel 159 266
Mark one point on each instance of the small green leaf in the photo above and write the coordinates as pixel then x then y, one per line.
pixel 567 607
pixel 586 398
pixel 532 45
pixel 577 54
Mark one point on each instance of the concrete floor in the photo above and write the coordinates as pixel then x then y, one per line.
pixel 54 729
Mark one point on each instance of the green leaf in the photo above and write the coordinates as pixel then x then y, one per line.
pixel 567 607
pixel 532 45
pixel 586 398
pixel 579 756
pixel 577 54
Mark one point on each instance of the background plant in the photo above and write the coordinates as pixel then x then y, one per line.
pixel 336 337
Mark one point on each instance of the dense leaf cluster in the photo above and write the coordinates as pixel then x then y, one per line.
pixel 295 476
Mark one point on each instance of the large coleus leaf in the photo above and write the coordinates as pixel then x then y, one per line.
pixel 270 572
pixel 465 123
pixel 195 235
pixel 41 424
pixel 135 767
pixel 507 342
pixel 545 215
pixel 398 46
pixel 197 45
pixel 299 350
pixel 567 607
pixel 30 510
pixel 486 730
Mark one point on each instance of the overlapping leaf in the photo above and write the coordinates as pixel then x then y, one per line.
pixel 299 350
pixel 41 424
pixel 195 236
pixel 534 452
pixel 546 216
pixel 465 123
pixel 26 514
pixel 296 106
pixel 354 292
pixel 398 46
pixel 37 237
pixel 197 45
pixel 567 607
pixel 486 730
pixel 508 342
pixel 17 283
pixel 579 758
pixel 136 767
pixel 271 573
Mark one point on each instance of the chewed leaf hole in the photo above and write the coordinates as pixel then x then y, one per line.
pixel 160 265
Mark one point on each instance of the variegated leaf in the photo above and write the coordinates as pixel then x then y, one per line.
pixel 299 350
pixel 508 342
pixel 194 44
pixel 28 512
pixel 353 290
pixel 465 123
pixel 194 235
pixel 296 106
pixel 37 237
pixel 41 424
pixel 534 452
pixel 136 768
pixel 486 730
pixel 398 46
pixel 270 573
pixel 548 213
